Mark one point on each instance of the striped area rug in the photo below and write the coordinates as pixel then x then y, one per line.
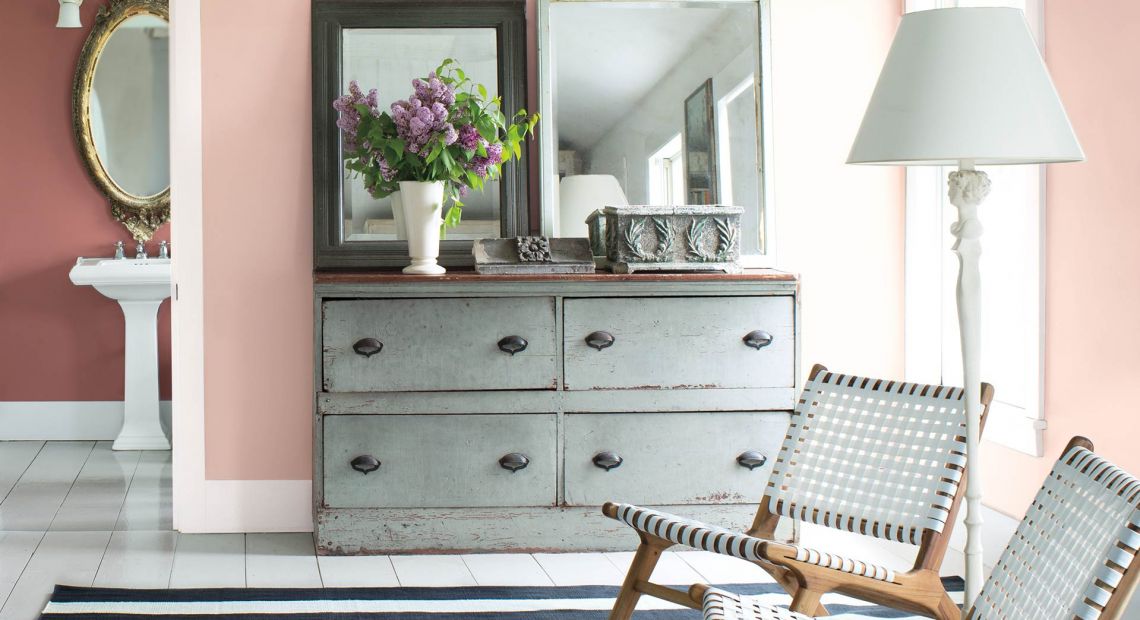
pixel 477 603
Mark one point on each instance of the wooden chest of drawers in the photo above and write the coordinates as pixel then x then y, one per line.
pixel 469 413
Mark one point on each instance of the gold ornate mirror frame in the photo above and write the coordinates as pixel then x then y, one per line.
pixel 142 215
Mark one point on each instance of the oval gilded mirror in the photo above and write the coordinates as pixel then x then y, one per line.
pixel 121 111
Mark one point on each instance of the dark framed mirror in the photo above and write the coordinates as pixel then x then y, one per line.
pixel 384 44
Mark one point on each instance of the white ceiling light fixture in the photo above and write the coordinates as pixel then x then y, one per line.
pixel 69 14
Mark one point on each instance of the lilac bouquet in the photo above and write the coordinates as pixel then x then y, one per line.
pixel 448 130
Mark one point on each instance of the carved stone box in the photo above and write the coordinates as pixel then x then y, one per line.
pixel 682 238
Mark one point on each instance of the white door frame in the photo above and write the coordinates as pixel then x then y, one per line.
pixel 187 302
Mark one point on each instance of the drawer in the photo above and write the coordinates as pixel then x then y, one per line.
pixel 439 461
pixel 440 344
pixel 679 342
pixel 670 458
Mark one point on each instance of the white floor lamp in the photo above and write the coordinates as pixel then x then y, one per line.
pixel 966 87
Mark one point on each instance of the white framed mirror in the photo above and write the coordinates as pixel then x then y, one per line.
pixel 656 102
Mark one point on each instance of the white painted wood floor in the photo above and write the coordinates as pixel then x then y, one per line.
pixel 80 514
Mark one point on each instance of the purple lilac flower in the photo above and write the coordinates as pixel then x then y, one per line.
pixel 478 165
pixel 468 137
pixel 495 153
pixel 424 115
pixel 349 119
pixel 387 172
pixel 449 134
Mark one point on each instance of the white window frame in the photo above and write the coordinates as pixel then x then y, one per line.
pixel 723 144
pixel 929 303
pixel 666 172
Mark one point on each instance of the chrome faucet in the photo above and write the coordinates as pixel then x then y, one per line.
pixel 119 250
pixel 163 249
pixel 140 250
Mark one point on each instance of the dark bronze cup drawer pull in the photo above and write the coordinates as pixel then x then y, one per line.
pixel 600 340
pixel 365 463
pixel 368 347
pixel 513 344
pixel 751 459
pixel 607 460
pixel 758 339
pixel 514 461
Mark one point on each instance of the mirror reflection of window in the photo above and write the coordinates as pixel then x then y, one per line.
pixel 667 173
pixel 388 59
pixel 623 75
pixel 736 142
pixel 129 106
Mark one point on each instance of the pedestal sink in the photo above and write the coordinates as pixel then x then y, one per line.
pixel 139 285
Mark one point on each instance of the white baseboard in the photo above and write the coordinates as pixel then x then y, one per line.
pixel 258 506
pixel 66 420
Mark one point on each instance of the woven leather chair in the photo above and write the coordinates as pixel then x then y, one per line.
pixel 1072 557
pixel 880 458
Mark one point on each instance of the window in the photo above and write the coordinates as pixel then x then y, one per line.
pixel 736 141
pixel 667 174
pixel 1013 272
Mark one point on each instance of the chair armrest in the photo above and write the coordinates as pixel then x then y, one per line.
pixel 682 531
pixel 790 556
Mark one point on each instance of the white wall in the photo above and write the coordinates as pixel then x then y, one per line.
pixel 840 227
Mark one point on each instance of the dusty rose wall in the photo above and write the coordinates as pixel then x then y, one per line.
pixel 840 227
pixel 257 229
pixel 1092 354
pixel 58 341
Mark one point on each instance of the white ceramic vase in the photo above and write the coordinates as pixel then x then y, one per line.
pixel 423 209
pixel 398 217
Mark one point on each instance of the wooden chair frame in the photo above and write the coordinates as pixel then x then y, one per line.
pixel 918 590
pixel 1115 597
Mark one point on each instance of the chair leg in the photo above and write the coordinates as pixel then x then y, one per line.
pixel 806 601
pixel 644 561
pixel 947 609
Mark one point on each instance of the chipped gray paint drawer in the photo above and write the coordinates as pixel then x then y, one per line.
pixel 678 395
pixel 440 344
pixel 679 342
pixel 439 461
pixel 670 458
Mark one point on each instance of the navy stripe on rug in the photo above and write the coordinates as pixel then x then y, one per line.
pixel 74 603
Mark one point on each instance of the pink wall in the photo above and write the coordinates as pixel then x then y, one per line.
pixel 59 341
pixel 1092 354
pixel 257 229
pixel 840 227
pixel 257 178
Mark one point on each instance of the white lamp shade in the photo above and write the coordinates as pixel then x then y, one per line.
pixel 580 195
pixel 69 14
pixel 965 84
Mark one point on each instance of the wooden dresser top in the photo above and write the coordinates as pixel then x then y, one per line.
pixel 467 275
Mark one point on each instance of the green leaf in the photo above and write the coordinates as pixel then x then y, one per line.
pixel 454 214
pixel 487 132
pixel 482 91
pixel 517 149
pixel 435 151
